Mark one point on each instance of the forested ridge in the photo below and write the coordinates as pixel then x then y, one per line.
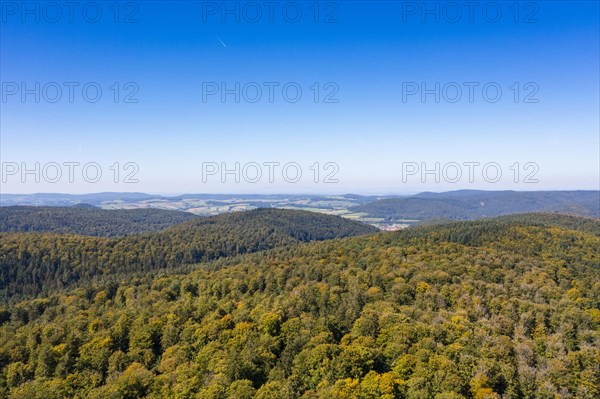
pixel 506 308
pixel 88 221
pixel 34 263
pixel 475 204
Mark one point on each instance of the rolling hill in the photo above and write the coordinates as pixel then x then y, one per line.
pixel 473 204
pixel 33 263
pixel 88 221
pixel 57 199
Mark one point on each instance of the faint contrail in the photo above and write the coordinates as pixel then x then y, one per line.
pixel 223 43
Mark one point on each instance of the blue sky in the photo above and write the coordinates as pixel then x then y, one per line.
pixel 363 55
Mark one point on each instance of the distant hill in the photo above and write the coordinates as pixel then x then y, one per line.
pixel 568 222
pixel 53 199
pixel 84 219
pixel 33 263
pixel 473 204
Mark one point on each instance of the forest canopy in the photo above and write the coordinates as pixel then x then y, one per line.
pixel 34 263
pixel 487 309
pixel 88 220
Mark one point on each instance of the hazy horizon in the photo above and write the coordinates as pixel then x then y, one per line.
pixel 366 194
